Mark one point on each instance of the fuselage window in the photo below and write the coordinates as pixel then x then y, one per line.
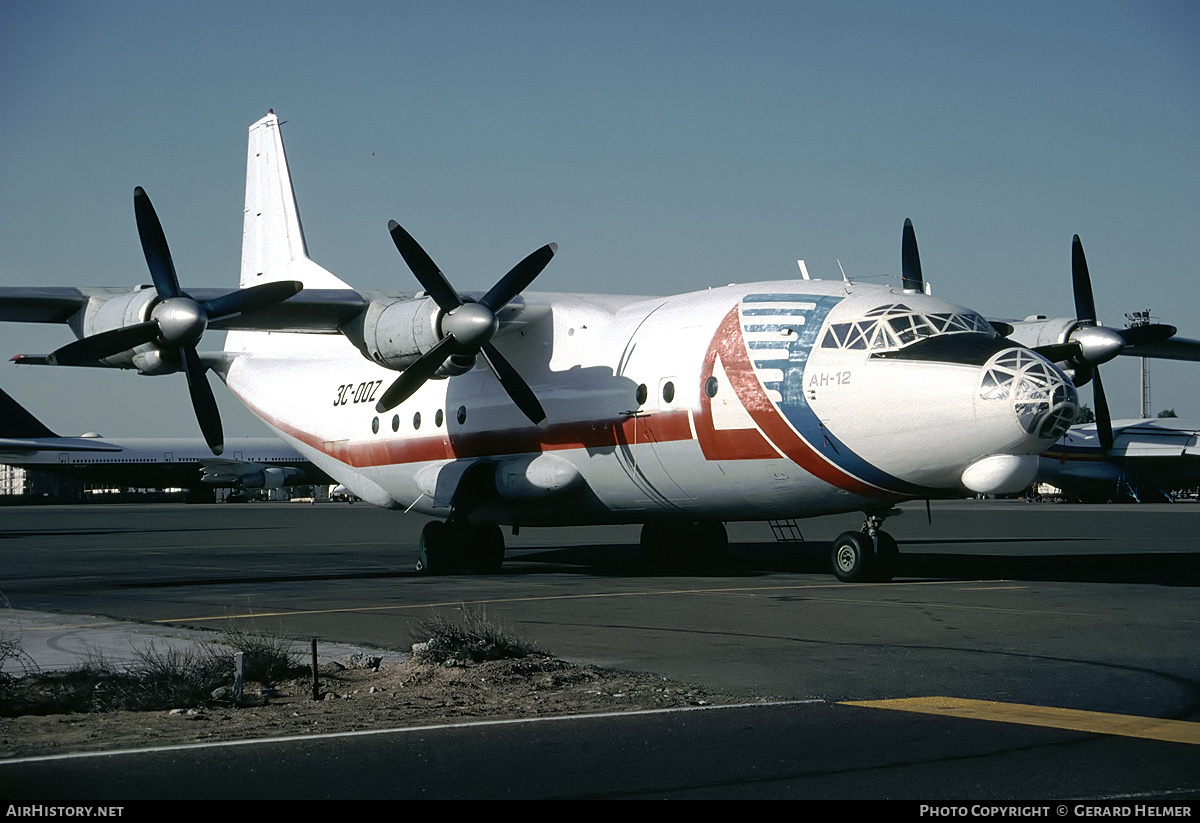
pixel 668 391
pixel 710 387
pixel 374 425
pixel 642 393
pixel 437 418
pixel 462 415
pixel 395 422
pixel 416 421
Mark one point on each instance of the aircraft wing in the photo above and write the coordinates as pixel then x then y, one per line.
pixel 1156 438
pixel 312 311
pixel 41 305
pixel 33 445
pixel 320 311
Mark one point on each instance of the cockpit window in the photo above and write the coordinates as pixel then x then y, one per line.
pixel 894 326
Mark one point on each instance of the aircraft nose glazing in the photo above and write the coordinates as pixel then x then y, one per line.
pixel 1043 400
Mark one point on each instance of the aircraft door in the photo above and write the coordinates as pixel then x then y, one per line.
pixel 651 432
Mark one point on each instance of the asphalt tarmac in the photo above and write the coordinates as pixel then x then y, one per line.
pixel 1026 641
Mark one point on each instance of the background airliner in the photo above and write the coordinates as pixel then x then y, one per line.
pixel 1142 460
pixel 153 463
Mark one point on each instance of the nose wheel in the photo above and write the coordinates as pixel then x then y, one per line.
pixel 866 556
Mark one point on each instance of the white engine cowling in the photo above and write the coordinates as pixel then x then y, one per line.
pixel 396 334
pixel 1041 331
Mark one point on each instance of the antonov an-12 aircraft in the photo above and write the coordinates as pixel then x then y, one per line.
pixel 755 401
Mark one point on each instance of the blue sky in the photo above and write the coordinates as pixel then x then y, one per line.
pixel 666 146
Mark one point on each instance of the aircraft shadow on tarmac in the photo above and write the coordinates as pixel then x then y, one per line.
pixel 755 559
pixel 749 560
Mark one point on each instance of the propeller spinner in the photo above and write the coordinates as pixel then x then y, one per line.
pixel 466 327
pixel 177 322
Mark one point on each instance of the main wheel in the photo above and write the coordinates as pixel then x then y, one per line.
pixel 434 548
pixel 657 544
pixel 484 547
pixel 710 546
pixel 853 557
pixel 448 548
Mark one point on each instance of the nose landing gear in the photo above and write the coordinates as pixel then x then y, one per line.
pixel 868 555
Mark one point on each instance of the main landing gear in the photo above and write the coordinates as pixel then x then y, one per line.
pixel 866 556
pixel 454 547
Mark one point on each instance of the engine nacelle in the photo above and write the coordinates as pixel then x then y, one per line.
pixel 397 333
pixel 271 477
pixel 126 308
pixel 1041 331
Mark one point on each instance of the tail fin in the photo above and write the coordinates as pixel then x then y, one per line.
pixel 15 421
pixel 273 246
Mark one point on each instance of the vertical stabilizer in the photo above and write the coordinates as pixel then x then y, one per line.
pixel 15 421
pixel 273 246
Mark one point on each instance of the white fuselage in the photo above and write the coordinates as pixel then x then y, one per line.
pixel 747 402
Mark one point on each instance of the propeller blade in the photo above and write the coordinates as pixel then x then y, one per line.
pixel 1152 333
pixel 1085 304
pixel 415 375
pixel 427 273
pixel 514 384
pixel 105 344
pixel 203 401
pixel 251 299
pixel 1103 419
pixel 154 246
pixel 910 259
pixel 519 278
pixel 1177 348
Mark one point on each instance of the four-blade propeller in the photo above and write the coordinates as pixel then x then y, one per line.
pixel 1091 344
pixel 466 328
pixel 177 322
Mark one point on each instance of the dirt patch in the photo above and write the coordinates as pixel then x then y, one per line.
pixel 398 695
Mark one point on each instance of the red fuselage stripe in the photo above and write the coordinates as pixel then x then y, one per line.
pixel 730 346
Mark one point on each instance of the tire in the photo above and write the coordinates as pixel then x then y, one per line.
pixel 654 544
pixel 484 548
pixel 434 548
pixel 711 546
pixel 853 558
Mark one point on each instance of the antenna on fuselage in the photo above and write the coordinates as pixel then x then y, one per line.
pixel 844 277
pixel 803 270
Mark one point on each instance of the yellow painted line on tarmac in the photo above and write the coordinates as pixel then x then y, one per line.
pixel 1122 725
pixel 586 596
pixel 731 590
